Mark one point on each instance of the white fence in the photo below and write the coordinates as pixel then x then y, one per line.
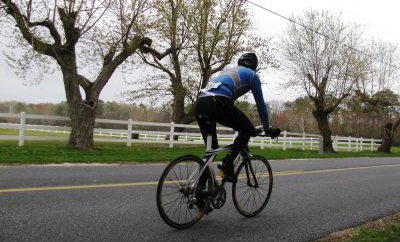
pixel 146 132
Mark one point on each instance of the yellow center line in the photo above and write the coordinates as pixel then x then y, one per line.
pixel 335 170
pixel 150 183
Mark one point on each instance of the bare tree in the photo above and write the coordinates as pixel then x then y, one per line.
pixel 199 38
pixel 323 62
pixel 376 89
pixel 221 31
pixel 81 36
pixel 173 30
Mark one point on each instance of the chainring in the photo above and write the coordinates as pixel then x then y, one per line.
pixel 219 200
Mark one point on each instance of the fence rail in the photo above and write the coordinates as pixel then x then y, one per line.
pixel 137 132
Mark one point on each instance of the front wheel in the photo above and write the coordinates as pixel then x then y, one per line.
pixel 253 188
pixel 175 198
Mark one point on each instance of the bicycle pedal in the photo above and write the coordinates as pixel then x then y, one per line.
pixel 207 210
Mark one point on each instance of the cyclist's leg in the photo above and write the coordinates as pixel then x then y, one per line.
pixel 205 115
pixel 234 118
pixel 205 118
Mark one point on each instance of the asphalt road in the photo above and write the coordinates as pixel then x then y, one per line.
pixel 310 199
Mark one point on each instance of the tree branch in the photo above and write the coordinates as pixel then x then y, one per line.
pixel 72 33
pixel 112 64
pixel 23 25
pixel 337 103
pixel 155 53
pixel 52 28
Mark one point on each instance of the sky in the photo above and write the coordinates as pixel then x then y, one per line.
pixel 379 18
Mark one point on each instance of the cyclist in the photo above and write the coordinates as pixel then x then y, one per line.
pixel 216 104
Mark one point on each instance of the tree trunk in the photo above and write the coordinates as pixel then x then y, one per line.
pixel 205 77
pixel 323 124
pixel 388 133
pixel 82 126
pixel 82 115
pixel 178 109
pixel 178 106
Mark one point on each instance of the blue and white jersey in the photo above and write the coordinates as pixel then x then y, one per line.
pixel 235 82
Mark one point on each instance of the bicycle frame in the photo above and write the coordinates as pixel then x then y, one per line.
pixel 209 159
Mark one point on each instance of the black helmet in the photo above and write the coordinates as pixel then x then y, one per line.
pixel 248 60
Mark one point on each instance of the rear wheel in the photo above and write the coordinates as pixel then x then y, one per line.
pixel 176 200
pixel 253 188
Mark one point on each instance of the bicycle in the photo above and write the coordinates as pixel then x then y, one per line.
pixel 179 185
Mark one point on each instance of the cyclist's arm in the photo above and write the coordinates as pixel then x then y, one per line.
pixel 258 96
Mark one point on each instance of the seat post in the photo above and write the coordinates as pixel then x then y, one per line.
pixel 209 142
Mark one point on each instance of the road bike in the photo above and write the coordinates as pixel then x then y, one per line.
pixel 179 186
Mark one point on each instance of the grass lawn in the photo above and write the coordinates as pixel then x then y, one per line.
pixel 34 152
pixel 389 233
pixel 382 230
pixel 32 133
pixel 43 133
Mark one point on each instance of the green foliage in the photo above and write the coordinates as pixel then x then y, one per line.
pixel 390 233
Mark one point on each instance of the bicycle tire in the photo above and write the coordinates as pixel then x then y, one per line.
pixel 251 192
pixel 165 181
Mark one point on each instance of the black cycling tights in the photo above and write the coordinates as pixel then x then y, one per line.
pixel 212 109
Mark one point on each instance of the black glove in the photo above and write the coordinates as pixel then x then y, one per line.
pixel 273 133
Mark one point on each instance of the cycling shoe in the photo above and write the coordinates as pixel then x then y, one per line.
pixel 229 172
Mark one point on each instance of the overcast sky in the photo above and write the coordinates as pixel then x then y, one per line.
pixel 380 19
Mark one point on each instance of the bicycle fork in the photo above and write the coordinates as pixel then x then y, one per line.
pixel 249 169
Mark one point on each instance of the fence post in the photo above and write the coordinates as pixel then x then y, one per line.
pixel 171 135
pixel 21 129
pixel 304 141
pixel 311 143
pixel 129 132
pixel 335 143
pixel 357 144
pixel 349 144
pixel 320 145
pixel 262 143
pixel 372 144
pixel 361 143
pixel 284 139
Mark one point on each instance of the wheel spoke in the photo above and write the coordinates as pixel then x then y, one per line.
pixel 171 193
pixel 249 201
pixel 176 176
pixel 172 201
pixel 254 199
pixel 187 172
pixel 173 182
pixel 263 189
pixel 261 196
pixel 243 193
pixel 173 205
pixel 180 173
